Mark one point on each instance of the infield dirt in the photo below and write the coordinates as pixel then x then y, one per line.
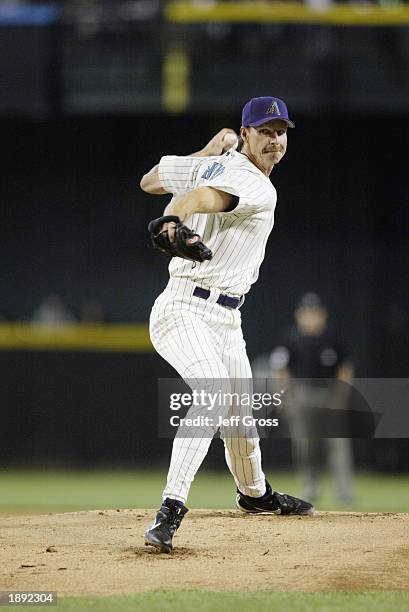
pixel 103 552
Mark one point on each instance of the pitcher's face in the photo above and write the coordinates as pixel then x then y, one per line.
pixel 266 144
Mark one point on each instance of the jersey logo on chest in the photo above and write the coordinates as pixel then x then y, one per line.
pixel 212 171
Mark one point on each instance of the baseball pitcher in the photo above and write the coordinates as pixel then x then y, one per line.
pixel 215 230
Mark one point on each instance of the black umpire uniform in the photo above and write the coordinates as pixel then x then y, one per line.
pixel 315 363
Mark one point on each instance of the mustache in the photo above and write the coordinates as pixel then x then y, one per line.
pixel 272 149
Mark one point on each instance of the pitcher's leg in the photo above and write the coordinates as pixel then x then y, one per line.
pixel 191 444
pixel 188 345
pixel 241 444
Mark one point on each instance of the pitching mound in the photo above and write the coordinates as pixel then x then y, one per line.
pixel 102 552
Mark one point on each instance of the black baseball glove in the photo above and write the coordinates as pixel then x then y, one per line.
pixel 187 243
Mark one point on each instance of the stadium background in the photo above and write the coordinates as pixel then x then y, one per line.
pixel 93 94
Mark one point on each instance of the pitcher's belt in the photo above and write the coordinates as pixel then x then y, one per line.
pixel 223 300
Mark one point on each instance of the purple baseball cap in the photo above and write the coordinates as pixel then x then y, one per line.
pixel 260 110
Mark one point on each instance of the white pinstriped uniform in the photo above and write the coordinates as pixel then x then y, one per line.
pixel 201 339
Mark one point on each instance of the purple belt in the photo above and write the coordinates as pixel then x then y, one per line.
pixel 223 300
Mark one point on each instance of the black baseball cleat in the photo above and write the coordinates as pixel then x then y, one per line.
pixel 167 521
pixel 273 503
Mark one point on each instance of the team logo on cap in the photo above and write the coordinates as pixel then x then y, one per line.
pixel 273 109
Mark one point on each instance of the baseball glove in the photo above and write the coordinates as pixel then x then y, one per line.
pixel 187 243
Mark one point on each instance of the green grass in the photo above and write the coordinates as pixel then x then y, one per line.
pixel 60 491
pixel 260 601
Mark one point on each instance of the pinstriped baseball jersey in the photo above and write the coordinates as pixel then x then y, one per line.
pixel 204 342
pixel 237 238
pixel 200 338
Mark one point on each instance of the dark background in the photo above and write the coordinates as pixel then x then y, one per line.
pixel 74 223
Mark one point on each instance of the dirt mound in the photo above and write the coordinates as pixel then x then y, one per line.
pixel 102 552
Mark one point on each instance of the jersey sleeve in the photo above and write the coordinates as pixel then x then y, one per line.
pixel 252 193
pixel 176 173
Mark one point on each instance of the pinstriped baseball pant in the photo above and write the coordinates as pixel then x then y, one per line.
pixel 203 341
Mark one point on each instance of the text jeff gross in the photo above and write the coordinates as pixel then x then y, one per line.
pixel 233 421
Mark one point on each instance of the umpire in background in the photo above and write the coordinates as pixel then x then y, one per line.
pixel 311 351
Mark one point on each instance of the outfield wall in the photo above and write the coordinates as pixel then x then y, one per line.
pixel 99 408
